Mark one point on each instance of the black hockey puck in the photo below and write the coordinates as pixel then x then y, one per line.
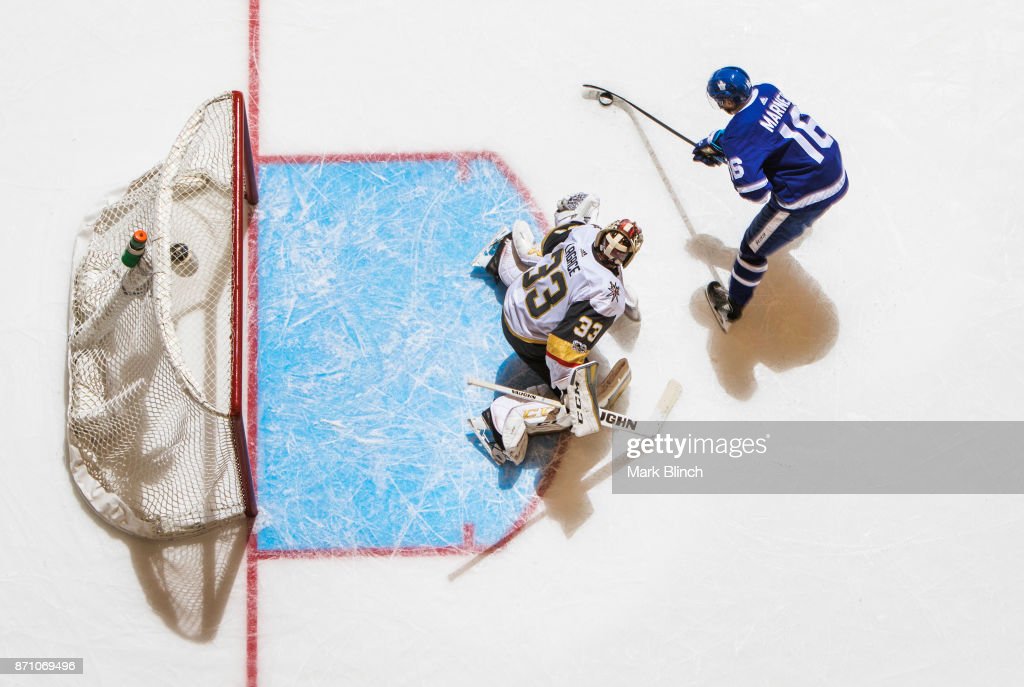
pixel 605 98
pixel 179 252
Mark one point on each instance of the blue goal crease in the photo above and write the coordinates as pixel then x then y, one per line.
pixel 370 320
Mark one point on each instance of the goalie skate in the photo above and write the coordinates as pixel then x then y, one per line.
pixel 490 253
pixel 481 428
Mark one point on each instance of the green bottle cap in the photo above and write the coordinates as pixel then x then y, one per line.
pixel 136 247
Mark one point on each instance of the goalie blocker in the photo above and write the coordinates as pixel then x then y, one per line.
pixel 581 400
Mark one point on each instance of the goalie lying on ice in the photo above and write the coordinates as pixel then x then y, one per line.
pixel 558 305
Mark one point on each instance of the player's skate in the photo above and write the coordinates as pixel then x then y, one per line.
pixel 484 425
pixel 724 310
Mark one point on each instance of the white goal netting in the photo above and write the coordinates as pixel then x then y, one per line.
pixel 154 421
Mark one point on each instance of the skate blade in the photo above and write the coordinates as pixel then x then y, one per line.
pixel 487 253
pixel 720 318
pixel 480 428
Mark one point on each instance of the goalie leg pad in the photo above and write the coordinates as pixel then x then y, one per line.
pixel 581 400
pixel 515 421
pixel 518 254
pixel 513 418
pixel 614 383
pixel 509 253
pixel 513 434
pixel 509 268
pixel 544 419
pixel 527 248
pixel 481 428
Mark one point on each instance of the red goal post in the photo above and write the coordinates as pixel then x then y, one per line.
pixel 156 442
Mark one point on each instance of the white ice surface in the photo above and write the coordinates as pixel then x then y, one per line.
pixel 920 313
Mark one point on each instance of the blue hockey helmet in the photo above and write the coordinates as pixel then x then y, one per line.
pixel 729 83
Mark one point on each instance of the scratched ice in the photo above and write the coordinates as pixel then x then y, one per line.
pixel 370 321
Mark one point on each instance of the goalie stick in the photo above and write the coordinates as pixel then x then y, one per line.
pixel 606 98
pixel 662 409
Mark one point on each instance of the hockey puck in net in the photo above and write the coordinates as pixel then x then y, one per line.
pixel 179 253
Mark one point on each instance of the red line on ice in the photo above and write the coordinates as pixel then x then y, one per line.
pixel 254 555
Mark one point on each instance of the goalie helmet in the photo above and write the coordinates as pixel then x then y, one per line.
pixel 617 244
pixel 729 84
pixel 577 208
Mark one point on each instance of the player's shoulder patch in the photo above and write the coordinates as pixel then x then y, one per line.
pixel 608 297
pixel 614 290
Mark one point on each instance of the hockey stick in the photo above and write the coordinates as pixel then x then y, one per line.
pixel 606 98
pixel 664 406
pixel 609 418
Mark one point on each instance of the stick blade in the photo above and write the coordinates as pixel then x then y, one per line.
pixel 668 399
pixel 592 92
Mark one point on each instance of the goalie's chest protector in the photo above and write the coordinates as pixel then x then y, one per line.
pixel 538 302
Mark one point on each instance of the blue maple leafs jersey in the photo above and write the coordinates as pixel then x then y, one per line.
pixel 771 147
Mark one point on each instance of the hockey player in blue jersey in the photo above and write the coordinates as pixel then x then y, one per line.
pixel 775 154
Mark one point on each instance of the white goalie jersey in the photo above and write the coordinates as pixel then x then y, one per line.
pixel 566 301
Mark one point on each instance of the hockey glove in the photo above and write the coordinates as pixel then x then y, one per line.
pixel 709 151
pixel 577 208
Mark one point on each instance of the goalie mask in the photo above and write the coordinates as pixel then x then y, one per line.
pixel 617 244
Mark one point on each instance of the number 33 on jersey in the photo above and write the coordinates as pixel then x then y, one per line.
pixel 567 301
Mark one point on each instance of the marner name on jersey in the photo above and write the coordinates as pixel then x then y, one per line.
pixel 774 112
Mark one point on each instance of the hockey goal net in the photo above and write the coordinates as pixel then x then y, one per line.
pixel 154 421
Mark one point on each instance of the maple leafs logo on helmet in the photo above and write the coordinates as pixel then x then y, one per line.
pixel 617 244
pixel 729 83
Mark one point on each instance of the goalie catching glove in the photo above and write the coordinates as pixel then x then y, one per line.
pixel 578 208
